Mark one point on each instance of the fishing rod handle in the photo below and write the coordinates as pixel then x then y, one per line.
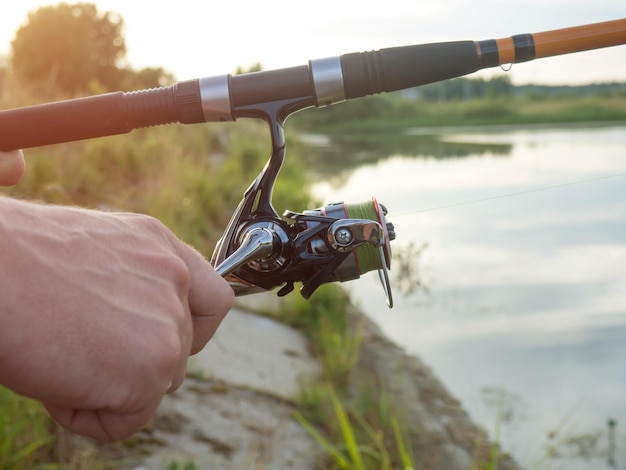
pixel 405 67
pixel 98 116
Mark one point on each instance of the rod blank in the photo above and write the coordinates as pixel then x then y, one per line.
pixel 580 38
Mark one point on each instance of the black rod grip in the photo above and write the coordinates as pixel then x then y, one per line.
pixel 271 85
pixel 397 68
pixel 99 116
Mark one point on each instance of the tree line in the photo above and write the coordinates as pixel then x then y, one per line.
pixel 74 49
pixel 463 89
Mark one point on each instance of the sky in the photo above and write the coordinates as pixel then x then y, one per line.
pixel 194 39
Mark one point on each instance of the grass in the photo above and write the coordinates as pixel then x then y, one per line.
pixel 357 444
pixel 27 434
pixel 324 320
pixel 182 466
pixel 189 177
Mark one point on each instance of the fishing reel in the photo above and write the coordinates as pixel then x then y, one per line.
pixel 314 247
pixel 260 250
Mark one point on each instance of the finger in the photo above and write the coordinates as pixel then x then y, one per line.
pixel 179 375
pixel 102 425
pixel 12 166
pixel 210 297
pixel 186 347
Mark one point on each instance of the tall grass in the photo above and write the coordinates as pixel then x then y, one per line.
pixel 356 443
pixel 324 320
pixel 26 433
pixel 189 177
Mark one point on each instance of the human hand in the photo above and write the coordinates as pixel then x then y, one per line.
pixel 99 313
pixel 12 167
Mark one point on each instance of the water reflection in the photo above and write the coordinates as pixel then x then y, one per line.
pixel 341 153
pixel 526 293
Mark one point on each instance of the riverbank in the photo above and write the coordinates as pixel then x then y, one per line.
pixel 390 111
pixel 236 407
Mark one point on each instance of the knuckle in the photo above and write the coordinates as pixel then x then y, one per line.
pixel 150 224
pixel 164 250
pixel 175 268
pixel 171 262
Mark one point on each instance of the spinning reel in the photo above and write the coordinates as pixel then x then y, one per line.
pixel 260 250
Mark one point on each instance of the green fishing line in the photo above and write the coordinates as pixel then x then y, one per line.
pixel 368 256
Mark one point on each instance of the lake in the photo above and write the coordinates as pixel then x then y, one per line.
pixel 518 237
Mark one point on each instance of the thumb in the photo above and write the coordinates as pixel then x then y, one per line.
pixel 210 297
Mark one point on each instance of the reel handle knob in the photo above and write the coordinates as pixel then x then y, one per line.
pixel 257 243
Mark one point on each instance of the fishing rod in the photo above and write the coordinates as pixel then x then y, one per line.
pixel 259 249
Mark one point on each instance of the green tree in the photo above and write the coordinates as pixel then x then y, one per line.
pixel 72 46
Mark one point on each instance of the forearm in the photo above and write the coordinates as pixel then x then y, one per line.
pixel 10 269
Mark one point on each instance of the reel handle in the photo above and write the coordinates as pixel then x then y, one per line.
pixel 257 243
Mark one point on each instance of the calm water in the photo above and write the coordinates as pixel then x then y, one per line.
pixel 525 308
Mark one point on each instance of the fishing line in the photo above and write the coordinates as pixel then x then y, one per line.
pixel 507 195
